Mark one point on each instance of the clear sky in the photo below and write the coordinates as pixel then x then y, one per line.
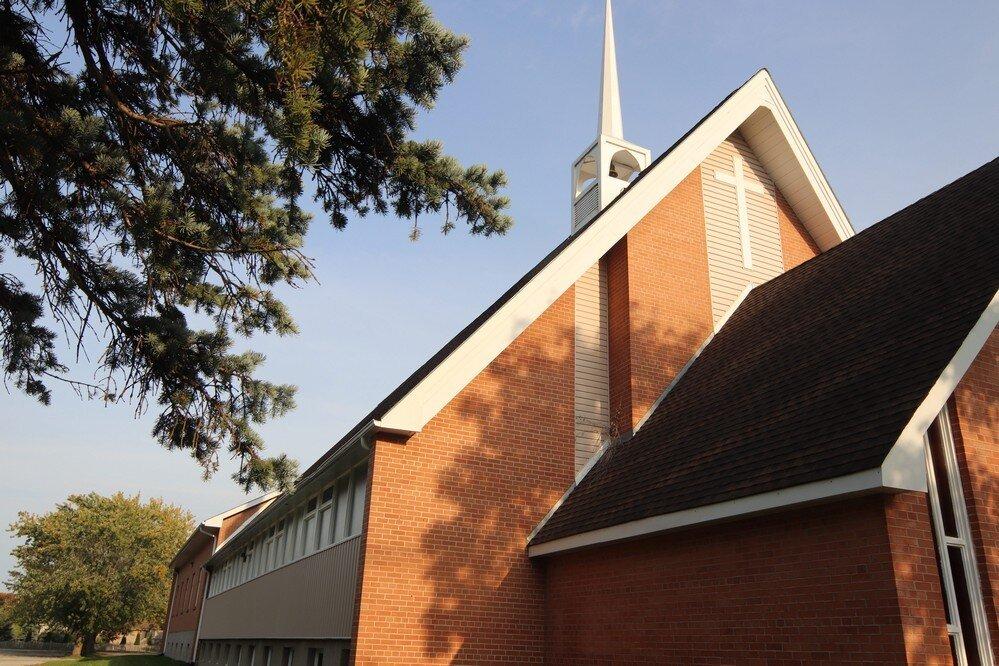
pixel 895 99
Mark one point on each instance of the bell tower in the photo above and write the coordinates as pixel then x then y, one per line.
pixel 609 163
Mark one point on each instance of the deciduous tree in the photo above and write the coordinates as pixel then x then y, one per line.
pixel 96 565
pixel 153 158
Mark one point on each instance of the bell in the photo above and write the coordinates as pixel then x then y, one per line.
pixel 613 171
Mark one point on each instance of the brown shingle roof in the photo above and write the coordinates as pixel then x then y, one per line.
pixel 816 373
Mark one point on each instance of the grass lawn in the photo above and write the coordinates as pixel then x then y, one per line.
pixel 116 660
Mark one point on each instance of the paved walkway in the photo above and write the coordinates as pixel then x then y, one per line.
pixel 25 657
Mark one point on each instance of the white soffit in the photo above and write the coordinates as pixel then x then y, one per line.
pixel 748 108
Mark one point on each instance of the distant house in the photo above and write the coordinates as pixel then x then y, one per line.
pixel 190 577
pixel 712 426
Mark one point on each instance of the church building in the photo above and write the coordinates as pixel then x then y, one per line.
pixel 714 425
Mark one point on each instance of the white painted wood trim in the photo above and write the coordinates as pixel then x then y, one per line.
pixel 853 484
pixel 450 376
pixel 904 467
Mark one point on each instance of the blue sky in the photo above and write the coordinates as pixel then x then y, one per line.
pixel 895 99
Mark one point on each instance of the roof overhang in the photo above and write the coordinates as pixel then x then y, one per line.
pixel 861 483
pixel 202 535
pixel 903 469
pixel 757 110
pixel 216 520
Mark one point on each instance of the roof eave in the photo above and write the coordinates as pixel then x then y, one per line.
pixel 852 485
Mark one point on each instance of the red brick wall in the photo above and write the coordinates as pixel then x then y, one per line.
pixel 446 578
pixel 796 243
pixel 974 413
pixel 661 271
pixel 189 590
pixel 232 523
pixel 618 336
pixel 917 580
pixel 812 586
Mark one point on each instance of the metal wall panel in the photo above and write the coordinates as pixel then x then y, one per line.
pixel 310 598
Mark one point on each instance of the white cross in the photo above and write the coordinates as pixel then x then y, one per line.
pixel 738 180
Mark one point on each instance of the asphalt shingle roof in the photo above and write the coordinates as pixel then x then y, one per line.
pixel 817 372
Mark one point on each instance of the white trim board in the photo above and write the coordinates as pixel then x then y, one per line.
pixel 859 483
pixel 904 466
pixel 758 102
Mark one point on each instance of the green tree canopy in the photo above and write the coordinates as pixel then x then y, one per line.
pixel 96 565
pixel 6 616
pixel 153 155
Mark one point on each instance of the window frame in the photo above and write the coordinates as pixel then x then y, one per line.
pixel 962 541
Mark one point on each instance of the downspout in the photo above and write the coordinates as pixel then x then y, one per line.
pixel 204 597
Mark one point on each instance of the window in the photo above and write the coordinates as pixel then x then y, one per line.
pixel 225 653
pixel 965 611
pixel 267 655
pixel 315 657
pixel 239 654
pixel 287 656
pixel 279 545
pixel 249 654
pixel 345 657
pixel 269 550
pixel 308 535
pixel 299 533
pixel 342 508
pixel 324 534
pixel 360 487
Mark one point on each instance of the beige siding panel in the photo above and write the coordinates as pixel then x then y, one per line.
pixel 728 276
pixel 591 383
pixel 311 598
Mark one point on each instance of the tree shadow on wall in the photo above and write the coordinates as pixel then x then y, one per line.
pixel 513 459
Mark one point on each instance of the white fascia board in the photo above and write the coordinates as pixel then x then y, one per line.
pixel 859 483
pixel 799 147
pixel 450 376
pixel 904 466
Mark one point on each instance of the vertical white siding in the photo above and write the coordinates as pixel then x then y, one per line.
pixel 592 392
pixel 728 277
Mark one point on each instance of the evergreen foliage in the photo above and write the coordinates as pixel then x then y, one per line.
pixel 153 155
pixel 96 565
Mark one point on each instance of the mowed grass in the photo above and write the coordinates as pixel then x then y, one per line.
pixel 116 660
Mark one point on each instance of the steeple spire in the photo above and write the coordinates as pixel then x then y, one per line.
pixel 610 97
pixel 610 162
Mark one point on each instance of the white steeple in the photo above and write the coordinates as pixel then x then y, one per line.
pixel 610 96
pixel 610 163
